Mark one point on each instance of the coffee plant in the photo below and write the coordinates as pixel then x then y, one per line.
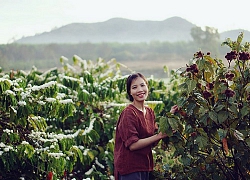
pixel 56 124
pixel 212 121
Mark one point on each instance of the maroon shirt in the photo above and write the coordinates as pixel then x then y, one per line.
pixel 132 126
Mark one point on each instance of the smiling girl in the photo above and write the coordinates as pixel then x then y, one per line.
pixel 135 134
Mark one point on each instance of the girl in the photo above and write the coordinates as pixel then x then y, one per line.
pixel 135 134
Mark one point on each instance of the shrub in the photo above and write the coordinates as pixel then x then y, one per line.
pixel 212 120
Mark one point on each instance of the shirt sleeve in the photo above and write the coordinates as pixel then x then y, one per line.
pixel 128 127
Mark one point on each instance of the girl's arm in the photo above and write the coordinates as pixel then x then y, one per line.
pixel 142 143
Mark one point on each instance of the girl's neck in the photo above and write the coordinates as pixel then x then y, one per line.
pixel 139 105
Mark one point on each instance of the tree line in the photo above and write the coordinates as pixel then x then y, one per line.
pixel 44 56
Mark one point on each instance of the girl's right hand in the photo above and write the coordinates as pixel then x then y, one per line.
pixel 174 109
pixel 162 135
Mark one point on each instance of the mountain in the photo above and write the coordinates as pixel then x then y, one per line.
pixel 233 34
pixel 116 30
pixel 123 31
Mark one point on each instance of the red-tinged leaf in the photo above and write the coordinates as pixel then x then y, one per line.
pixel 225 146
pixel 50 176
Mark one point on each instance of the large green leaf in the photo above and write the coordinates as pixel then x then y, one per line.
pixel 222 116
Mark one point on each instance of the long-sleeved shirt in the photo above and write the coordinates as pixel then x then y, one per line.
pixel 132 125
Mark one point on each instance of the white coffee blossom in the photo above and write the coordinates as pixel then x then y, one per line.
pixel 24 142
pixel 22 103
pixel 9 92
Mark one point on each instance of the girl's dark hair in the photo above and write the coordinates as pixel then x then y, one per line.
pixel 129 82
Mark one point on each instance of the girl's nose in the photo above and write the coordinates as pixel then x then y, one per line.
pixel 140 89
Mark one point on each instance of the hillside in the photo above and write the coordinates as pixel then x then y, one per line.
pixel 233 34
pixel 116 30
pixel 121 30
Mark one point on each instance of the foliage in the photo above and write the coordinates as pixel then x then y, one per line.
pixel 60 123
pixel 206 39
pixel 212 120
pixel 55 123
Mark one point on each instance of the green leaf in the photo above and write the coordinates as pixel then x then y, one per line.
pixel 239 38
pixel 222 133
pixel 219 107
pixel 234 108
pixel 248 141
pixel 183 86
pixel 213 115
pixel 163 124
pixel 186 160
pixel 204 119
pixel 222 116
pixel 91 155
pixel 77 152
pixel 247 87
pixel 29 150
pixel 201 64
pixel 202 141
pixel 173 123
pixel 191 107
pixel 244 111
pixel 191 84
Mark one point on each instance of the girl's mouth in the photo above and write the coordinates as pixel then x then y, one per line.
pixel 140 95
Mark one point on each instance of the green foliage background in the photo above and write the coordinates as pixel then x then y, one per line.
pixel 60 123
pixel 212 141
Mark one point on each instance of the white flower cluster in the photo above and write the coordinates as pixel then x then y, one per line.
pixel 85 91
pixel 106 116
pixel 85 153
pixel 88 129
pixel 9 92
pixel 68 78
pixel 56 155
pixel 41 102
pixel 5 148
pixel 8 131
pixel 21 103
pixel 90 170
pixel 24 142
pixel 50 137
pixel 43 86
pixel 25 94
pixel 66 101
pixel 5 78
pixel 50 99
pixel 60 95
pixel 98 163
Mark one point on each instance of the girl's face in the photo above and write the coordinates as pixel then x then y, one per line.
pixel 139 89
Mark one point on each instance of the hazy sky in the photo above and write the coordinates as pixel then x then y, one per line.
pixel 27 17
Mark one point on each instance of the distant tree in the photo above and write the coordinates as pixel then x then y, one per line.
pixel 207 39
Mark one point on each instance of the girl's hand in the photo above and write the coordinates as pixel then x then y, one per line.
pixel 162 135
pixel 174 109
